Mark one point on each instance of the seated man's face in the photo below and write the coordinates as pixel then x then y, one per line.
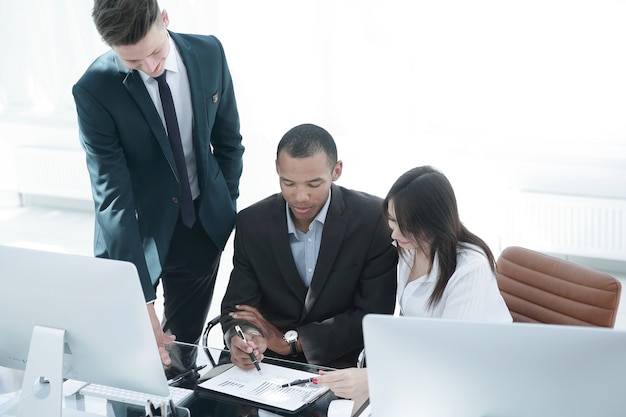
pixel 305 185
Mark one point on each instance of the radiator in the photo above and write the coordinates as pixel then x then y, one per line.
pixel 52 173
pixel 569 225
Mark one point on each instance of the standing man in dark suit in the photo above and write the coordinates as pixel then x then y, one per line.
pixel 159 125
pixel 309 262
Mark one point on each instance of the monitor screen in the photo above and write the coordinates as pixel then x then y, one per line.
pixel 99 307
pixel 438 367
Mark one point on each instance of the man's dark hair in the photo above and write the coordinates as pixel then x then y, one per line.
pixel 306 140
pixel 124 22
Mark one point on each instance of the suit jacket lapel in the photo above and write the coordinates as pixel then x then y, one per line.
pixel 279 241
pixel 137 89
pixel 332 238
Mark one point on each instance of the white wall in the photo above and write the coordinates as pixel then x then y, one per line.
pixel 499 94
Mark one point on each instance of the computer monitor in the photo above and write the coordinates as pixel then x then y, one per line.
pixel 437 367
pixel 76 317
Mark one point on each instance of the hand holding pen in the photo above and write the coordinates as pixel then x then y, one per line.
pixel 251 354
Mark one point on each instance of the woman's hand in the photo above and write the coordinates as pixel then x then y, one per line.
pixel 347 383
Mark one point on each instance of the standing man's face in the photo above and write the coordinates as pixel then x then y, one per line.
pixel 149 54
pixel 305 185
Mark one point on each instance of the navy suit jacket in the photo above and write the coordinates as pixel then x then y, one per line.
pixel 130 161
pixel 355 274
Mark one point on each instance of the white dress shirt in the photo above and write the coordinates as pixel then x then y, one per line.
pixel 179 84
pixel 471 294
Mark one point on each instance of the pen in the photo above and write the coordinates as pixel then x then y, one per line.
pixel 185 374
pixel 252 357
pixel 300 382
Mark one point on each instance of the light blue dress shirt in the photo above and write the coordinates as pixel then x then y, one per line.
pixel 306 246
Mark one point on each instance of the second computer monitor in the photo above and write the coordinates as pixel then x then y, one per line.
pixel 438 367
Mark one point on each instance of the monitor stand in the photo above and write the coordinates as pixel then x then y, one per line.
pixel 42 389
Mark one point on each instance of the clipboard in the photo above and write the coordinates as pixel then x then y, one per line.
pixel 263 389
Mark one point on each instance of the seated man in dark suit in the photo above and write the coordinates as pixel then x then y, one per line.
pixel 309 262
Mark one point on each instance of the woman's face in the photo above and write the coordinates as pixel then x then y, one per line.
pixel 404 242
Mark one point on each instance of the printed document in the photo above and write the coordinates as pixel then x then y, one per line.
pixel 265 387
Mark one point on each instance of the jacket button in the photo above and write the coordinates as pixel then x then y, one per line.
pixel 175 200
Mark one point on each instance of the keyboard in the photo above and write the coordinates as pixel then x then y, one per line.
pixel 177 394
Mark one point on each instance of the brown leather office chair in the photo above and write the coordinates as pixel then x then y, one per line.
pixel 539 288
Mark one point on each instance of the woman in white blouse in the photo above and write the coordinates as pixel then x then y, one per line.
pixel 444 271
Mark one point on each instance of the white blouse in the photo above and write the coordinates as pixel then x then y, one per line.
pixel 471 294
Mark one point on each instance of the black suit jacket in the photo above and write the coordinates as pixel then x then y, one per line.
pixel 355 274
pixel 130 161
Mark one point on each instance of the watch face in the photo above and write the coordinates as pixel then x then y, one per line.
pixel 291 335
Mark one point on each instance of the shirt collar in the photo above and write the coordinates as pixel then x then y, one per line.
pixel 320 218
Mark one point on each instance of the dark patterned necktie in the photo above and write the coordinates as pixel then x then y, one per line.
pixel 187 212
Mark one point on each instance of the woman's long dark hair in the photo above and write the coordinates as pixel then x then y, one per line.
pixel 426 209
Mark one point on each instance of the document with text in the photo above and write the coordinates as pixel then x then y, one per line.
pixel 265 387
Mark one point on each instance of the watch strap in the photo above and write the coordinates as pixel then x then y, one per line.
pixel 294 347
pixel 292 341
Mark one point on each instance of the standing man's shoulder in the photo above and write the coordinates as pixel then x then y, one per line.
pixel 107 67
pixel 198 43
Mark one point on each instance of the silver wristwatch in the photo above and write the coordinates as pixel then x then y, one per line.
pixel 291 337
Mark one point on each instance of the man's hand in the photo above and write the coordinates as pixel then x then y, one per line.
pixel 240 350
pixel 161 338
pixel 273 337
